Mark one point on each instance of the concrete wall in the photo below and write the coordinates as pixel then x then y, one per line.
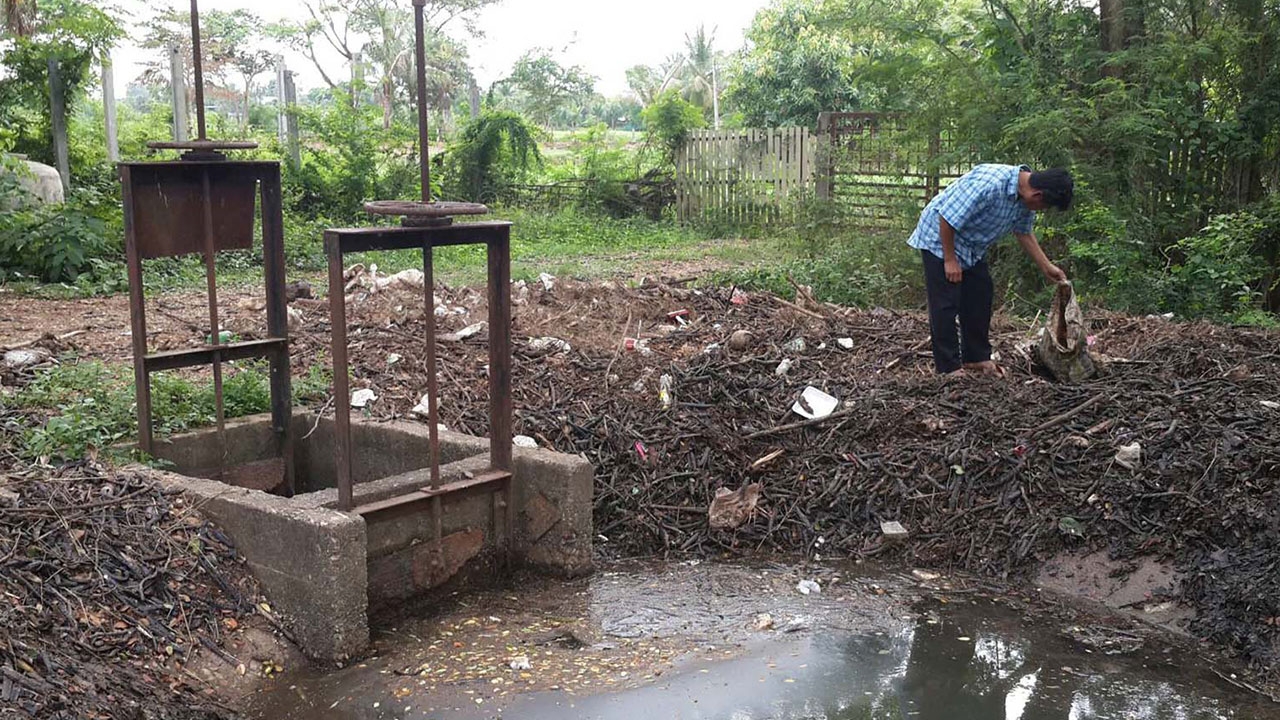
pixel 310 561
pixel 325 568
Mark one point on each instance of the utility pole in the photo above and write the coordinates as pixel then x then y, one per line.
pixel 282 108
pixel 109 108
pixel 291 101
pixel 715 91
pixel 178 86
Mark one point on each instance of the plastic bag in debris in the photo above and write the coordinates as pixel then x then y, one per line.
pixel 1064 345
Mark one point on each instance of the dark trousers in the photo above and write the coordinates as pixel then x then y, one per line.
pixel 969 301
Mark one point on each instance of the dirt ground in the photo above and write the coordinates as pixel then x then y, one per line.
pixel 985 472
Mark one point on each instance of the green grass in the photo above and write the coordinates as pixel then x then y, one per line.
pixel 568 242
pixel 79 406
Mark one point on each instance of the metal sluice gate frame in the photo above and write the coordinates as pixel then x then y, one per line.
pixel 162 200
pixel 204 203
pixel 427 225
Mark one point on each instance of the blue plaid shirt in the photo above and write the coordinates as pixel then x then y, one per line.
pixel 983 206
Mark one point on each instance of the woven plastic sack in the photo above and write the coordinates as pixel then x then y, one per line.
pixel 1064 345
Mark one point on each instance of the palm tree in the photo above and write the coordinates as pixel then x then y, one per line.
pixel 19 16
pixel 701 84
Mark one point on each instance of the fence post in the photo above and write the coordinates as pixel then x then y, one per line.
pixel 177 85
pixel 109 108
pixel 282 115
pixel 825 165
pixel 291 102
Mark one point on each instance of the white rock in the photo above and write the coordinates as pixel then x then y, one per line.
pixel 520 662
pixel 548 281
pixel 806 587
pixel 524 441
pixel 783 368
pixel 846 343
pixel 361 398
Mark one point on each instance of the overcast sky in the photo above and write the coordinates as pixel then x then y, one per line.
pixel 604 37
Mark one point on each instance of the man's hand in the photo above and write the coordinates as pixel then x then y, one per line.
pixel 1054 273
pixel 951 266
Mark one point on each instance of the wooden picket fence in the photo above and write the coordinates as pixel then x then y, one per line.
pixel 743 176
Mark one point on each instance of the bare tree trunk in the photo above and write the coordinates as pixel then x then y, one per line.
pixel 387 90
pixel 1112 25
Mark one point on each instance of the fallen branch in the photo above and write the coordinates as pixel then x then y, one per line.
pixel 800 424
pixel 1059 419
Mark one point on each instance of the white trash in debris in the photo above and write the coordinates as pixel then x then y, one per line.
pixel 1129 456
pixel 783 368
pixel 806 587
pixel 548 281
pixel 1269 404
pixel 295 319
pixel 763 621
pixel 411 278
pixel 520 662
pixel 795 345
pixel 714 347
pixel 394 358
pixel 549 343
pixel 665 386
pixel 471 330
pixel 361 398
pixel 814 404
pixel 524 441
pixel 423 408
pixel 893 530
pixel 846 343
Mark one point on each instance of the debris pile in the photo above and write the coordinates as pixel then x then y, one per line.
pixel 110 587
pixel 990 475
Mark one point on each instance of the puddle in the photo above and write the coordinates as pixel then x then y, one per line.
pixel 648 643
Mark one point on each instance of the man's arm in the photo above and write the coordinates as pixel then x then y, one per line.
pixel 1032 247
pixel 950 263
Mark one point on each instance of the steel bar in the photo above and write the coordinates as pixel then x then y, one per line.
pixel 137 313
pixel 355 240
pixel 341 390
pixel 211 284
pixel 433 415
pixel 499 257
pixel 420 45
pixel 277 319
pixel 198 70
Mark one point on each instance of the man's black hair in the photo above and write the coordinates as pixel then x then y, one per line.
pixel 1057 186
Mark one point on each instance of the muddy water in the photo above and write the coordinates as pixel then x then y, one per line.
pixel 648 643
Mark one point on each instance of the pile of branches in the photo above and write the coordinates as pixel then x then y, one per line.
pixel 990 475
pixel 108 586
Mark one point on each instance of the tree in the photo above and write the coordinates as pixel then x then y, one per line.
pixel 667 122
pixel 539 86
pixel 72 32
pixel 19 17
pixel 380 32
pixel 647 82
pixel 494 150
pixel 699 71
pixel 794 68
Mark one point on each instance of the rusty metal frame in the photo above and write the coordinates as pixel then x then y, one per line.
pixel 496 237
pixel 189 206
